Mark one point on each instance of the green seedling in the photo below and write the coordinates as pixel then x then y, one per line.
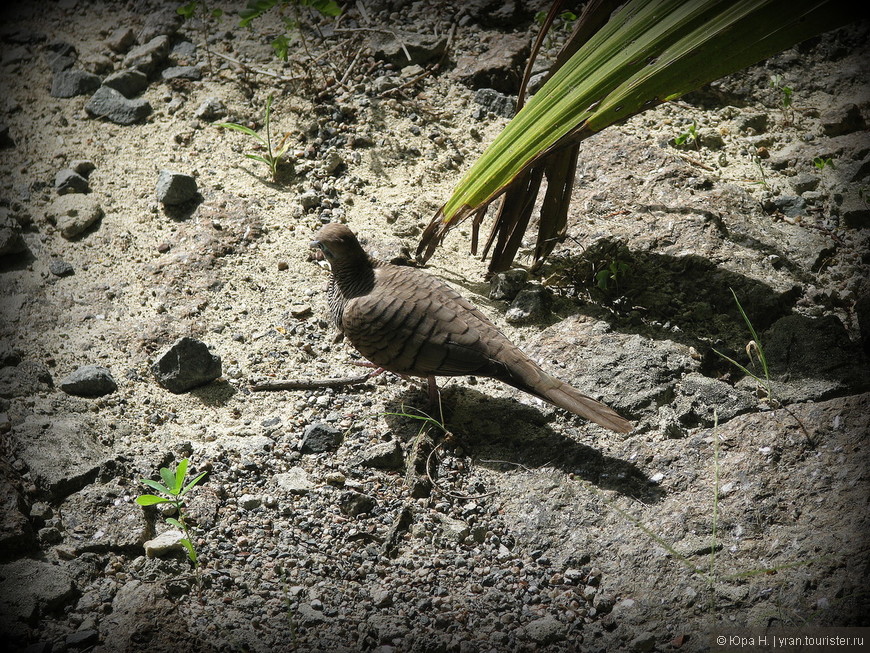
pixel 754 350
pixel 172 491
pixel 615 272
pixel 823 162
pixel 273 155
pixel 562 24
pixel 189 10
pixel 785 100
pixel 281 44
pixel 688 137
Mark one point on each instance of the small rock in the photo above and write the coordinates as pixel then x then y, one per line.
pixel 187 364
pixel 110 104
pixel 128 83
pixel 791 205
pixel 294 481
pixel 149 56
pixel 82 638
pixel 83 167
pixel 320 438
pixel 182 72
pixel 507 285
pixel 250 501
pixel 160 23
pixel 89 381
pixel 211 109
pixel 804 182
pixel 382 598
pixel 454 530
pixel 70 83
pixel 332 161
pixel 500 67
pixel 308 616
pixel 545 630
pixel 121 40
pixel 356 503
pixel 842 120
pixel 11 237
pixel 175 187
pixel 73 214
pixel 495 102
pixel 384 455
pixel 643 643
pixel 166 542
pixel 63 56
pixel 309 199
pixel 69 181
pixel 529 305
pixel 396 47
pixel 757 122
pixel 6 140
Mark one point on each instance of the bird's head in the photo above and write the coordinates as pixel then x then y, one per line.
pixel 338 244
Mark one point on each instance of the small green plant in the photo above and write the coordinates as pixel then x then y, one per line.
pixel 188 11
pixel 173 490
pixel 615 272
pixel 823 162
pixel 273 155
pixel 762 175
pixel 785 100
pixel 688 137
pixel 281 44
pixel 562 24
pixel 754 350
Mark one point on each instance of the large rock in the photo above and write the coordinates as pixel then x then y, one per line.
pixel 69 83
pixel 102 518
pixel 187 364
pixel 128 83
pixel 148 56
pixel 110 104
pixel 73 214
pixel 500 67
pixel 16 533
pixel 89 381
pixel 28 590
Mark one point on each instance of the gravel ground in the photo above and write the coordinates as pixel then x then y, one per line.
pixel 332 520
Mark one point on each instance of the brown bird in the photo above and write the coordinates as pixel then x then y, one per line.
pixel 408 322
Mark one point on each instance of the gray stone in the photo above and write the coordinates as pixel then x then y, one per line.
pixel 30 589
pixel 160 23
pixel 250 501
pixel 842 120
pixel 11 237
pixel 182 72
pixel 89 381
pixel 757 122
pixel 294 481
pixel 82 638
pixel 61 56
pixel 121 40
pixel 128 83
pixel 384 455
pixel 60 268
pixel 148 56
pixel 699 395
pixel 61 452
pixel 110 104
pixel 356 503
pixel 24 378
pixel 791 205
pixel 529 305
pixel 309 199
pixel 212 108
pixel 396 47
pixel 320 438
pixel 175 187
pixel 454 530
pixel 308 616
pixel 73 214
pixel 643 643
pixel 388 627
pixel 500 67
pixel 804 182
pixel 140 614
pixel 167 542
pixel 6 140
pixel 187 364
pixel 507 285
pixel 546 630
pixel 495 102
pixel 69 181
pixel 16 533
pixel 70 83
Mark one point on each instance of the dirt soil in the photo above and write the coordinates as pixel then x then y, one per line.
pixel 329 521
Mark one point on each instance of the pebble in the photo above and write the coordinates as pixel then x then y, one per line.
pixel 384 455
pixel 175 188
pixel 166 542
pixel 211 109
pixel 182 72
pixel 89 381
pixel 319 437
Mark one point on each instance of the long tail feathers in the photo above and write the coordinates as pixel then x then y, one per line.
pixel 564 396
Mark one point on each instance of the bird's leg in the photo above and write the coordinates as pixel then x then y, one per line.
pixel 434 395
pixel 379 370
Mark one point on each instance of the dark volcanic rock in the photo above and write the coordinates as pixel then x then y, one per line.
pixel 69 181
pixel 89 381
pixel 319 438
pixel 110 104
pixel 187 364
pixel 128 83
pixel 175 187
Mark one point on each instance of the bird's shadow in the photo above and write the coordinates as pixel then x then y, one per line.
pixel 502 434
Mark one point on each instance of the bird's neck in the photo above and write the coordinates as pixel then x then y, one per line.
pixel 354 277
